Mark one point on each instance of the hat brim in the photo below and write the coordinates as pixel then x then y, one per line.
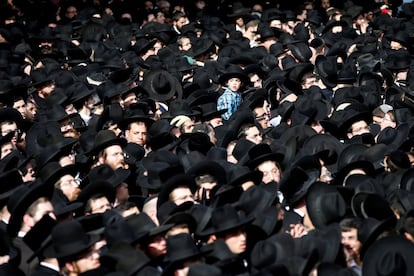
pixel 116 141
pixel 255 176
pixel 175 89
pixel 277 157
pixel 38 190
pixel 216 231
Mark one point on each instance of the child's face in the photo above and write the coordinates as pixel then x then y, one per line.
pixel 234 84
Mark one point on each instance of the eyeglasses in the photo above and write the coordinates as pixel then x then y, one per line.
pixel 262 117
pixel 73 182
pixel 7 131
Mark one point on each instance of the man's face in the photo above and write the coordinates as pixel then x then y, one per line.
pixel 46 90
pixel 86 262
pixel 137 133
pixel 350 242
pixel 8 127
pixel 129 99
pixel 69 187
pixel 253 135
pixel 236 241
pixel 358 128
pixel 270 171
pixel 256 81
pixel 180 195
pixel 6 149
pixel 215 122
pixel 122 192
pixel 262 117
pixel 180 22
pixel 114 157
pixel 100 205
pixel 43 208
pixel 20 105
pixel 157 247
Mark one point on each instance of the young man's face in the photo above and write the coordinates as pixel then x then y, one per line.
pixel 86 262
pixel 181 194
pixel 270 171
pixel 358 128
pixel 236 240
pixel 253 135
pixel 100 205
pixel 20 105
pixel 157 247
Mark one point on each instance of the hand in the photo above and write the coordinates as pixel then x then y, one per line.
pixel 297 230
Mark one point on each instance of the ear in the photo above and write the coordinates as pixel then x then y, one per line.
pixel 28 221
pixel 70 267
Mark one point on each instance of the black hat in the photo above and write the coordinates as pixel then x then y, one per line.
pixel 392 255
pixel 145 227
pixel 260 153
pixel 38 237
pixel 368 204
pixel 171 213
pixel 225 218
pixel 180 248
pixel 11 180
pixel 97 187
pixel 209 111
pixel 135 113
pixel 69 239
pixel 238 175
pixel 208 167
pixel 327 69
pixel 52 171
pixel 162 86
pixel 233 71
pixel 238 10
pixel 179 180
pixel 20 201
pixel 325 205
pixel 295 183
pixel 398 60
pixel 124 258
pixel 106 173
pixel 104 139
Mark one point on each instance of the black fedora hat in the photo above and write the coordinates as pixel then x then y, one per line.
pixel 11 180
pixel 79 91
pixel 52 171
pixel 295 183
pixel 208 167
pixel 162 86
pixel 145 227
pixel 261 153
pixel 104 139
pixel 122 257
pixel 398 60
pixel 325 205
pixel 171 213
pixel 20 201
pixel 369 204
pixel 38 237
pixel 135 113
pixel 225 218
pixel 69 239
pixel 393 255
pixel 327 69
pixel 238 175
pixel 233 71
pixel 238 10
pixel 105 172
pixel 97 187
pixel 180 248
pixel 209 111
pixel 178 180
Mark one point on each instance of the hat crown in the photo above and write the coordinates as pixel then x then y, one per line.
pixel 181 247
pixel 68 237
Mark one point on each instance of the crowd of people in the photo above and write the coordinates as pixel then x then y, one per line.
pixel 206 137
